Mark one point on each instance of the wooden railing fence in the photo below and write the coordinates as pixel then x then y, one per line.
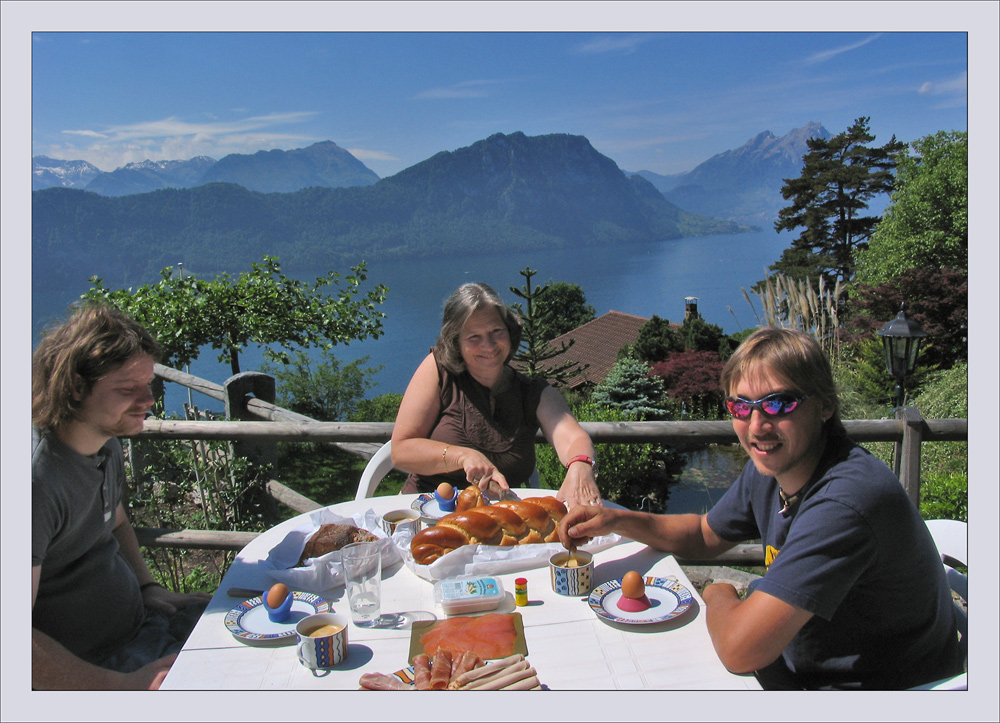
pixel 254 420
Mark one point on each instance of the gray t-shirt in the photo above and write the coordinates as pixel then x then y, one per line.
pixel 88 596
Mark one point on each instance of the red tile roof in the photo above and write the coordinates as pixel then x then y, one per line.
pixel 597 343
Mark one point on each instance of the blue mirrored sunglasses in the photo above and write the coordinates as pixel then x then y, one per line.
pixel 778 404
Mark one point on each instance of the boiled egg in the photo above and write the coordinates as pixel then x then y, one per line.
pixel 277 595
pixel 445 491
pixel 633 586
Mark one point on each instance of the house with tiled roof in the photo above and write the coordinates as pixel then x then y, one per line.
pixel 596 345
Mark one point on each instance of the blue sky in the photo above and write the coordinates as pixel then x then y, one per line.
pixel 660 101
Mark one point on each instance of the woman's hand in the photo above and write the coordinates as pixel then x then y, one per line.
pixel 579 487
pixel 481 472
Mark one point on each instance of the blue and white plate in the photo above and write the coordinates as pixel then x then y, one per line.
pixel 668 600
pixel 427 505
pixel 249 623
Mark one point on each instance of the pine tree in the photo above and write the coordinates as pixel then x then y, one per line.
pixel 630 387
pixel 534 349
pixel 839 176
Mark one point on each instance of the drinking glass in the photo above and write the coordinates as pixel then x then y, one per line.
pixel 362 563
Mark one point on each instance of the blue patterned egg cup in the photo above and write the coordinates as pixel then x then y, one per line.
pixel 446 505
pixel 279 614
pixel 572 581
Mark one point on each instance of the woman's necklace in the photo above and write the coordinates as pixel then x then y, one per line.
pixel 787 500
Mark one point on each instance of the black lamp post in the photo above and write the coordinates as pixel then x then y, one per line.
pixel 901 340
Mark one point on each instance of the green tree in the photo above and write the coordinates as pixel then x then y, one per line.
pixel 656 339
pixel 839 176
pixel 632 475
pixel 562 308
pixel 699 335
pixel 534 349
pixel 326 390
pixel 262 306
pixel 927 223
pixel 630 388
pixel 382 408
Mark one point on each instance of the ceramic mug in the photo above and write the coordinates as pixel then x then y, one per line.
pixel 329 647
pixel 392 520
pixel 575 580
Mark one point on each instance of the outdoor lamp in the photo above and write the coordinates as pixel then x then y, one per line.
pixel 901 339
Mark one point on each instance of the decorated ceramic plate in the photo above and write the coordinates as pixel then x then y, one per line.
pixel 668 599
pixel 405 675
pixel 427 505
pixel 249 623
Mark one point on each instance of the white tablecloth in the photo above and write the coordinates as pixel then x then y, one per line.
pixel 569 646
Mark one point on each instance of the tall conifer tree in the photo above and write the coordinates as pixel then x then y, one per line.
pixel 839 176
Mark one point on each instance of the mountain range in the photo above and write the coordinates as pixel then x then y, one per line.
pixel 507 191
pixel 322 164
pixel 744 184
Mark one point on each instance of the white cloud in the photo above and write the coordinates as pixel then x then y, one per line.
pixel 827 54
pixel 625 42
pixel 363 154
pixel 177 139
pixel 956 85
pixel 465 89
pixel 91 134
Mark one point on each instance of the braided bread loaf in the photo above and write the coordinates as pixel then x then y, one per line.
pixel 510 522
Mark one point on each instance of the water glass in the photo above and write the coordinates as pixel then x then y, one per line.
pixel 362 563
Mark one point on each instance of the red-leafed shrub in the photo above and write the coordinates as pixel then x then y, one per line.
pixel 692 378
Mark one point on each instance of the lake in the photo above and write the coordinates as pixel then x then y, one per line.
pixel 645 279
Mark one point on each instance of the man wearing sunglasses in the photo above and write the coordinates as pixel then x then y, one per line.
pixel 855 594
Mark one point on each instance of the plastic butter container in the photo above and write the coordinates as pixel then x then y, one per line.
pixel 468 594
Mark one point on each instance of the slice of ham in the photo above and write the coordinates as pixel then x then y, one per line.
pixel 441 669
pixel 464 663
pixel 422 672
pixel 381 681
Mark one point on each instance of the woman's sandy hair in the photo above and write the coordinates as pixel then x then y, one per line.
pixel 72 357
pixel 794 358
pixel 463 303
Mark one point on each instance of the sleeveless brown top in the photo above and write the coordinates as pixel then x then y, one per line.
pixel 503 431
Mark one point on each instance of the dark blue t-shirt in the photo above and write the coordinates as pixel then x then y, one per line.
pixel 855 552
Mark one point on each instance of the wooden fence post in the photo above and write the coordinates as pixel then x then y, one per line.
pixel 238 390
pixel 907 452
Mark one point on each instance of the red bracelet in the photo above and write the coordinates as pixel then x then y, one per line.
pixel 582 458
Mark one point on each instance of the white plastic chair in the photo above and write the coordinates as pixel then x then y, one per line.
pixel 951 538
pixel 375 471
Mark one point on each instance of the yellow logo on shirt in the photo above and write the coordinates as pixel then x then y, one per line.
pixel 769 554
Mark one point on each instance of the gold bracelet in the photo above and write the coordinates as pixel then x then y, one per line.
pixel 444 458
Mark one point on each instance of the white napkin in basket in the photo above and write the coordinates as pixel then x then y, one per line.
pixel 324 572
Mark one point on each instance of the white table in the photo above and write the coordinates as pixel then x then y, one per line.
pixel 569 646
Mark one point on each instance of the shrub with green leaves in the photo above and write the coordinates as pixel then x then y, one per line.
pixel 628 473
